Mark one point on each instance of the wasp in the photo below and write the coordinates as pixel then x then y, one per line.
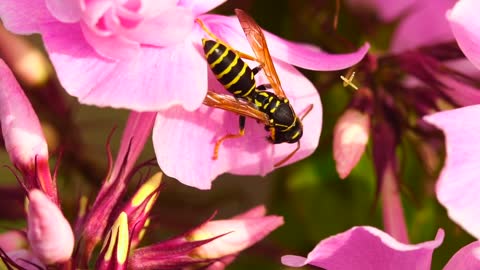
pixel 249 99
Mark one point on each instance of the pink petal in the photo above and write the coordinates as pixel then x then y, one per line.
pixel 301 55
pixel 392 208
pixel 467 258
pixel 458 186
pixel 65 11
pixel 413 31
pixel 367 248
pixel 258 211
pixel 151 8
pixel 137 131
pixel 239 235
pixel 178 134
pixel 49 233
pixel 201 6
pixel 24 16
pixel 111 46
pixel 153 81
pixel 465 25
pixel 166 29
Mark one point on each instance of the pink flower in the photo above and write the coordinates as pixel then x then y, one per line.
pixel 369 248
pixel 457 187
pixel 184 141
pixel 465 25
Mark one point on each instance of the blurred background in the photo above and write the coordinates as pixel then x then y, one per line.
pixel 314 201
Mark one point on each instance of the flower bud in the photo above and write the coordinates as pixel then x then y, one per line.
pixel 350 137
pixel 49 233
pixel 23 135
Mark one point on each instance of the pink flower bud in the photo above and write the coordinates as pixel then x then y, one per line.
pixel 23 135
pixel 20 126
pixel 49 233
pixel 350 138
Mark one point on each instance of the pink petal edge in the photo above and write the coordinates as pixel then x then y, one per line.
pixel 467 258
pixel 65 11
pixel 465 25
pixel 457 187
pixel 297 54
pixel 367 248
pixel 139 84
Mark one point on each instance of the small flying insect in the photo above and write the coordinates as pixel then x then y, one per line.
pixel 249 100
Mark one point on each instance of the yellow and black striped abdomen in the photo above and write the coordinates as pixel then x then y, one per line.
pixel 229 69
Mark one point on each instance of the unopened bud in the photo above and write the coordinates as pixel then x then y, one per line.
pixel 49 233
pixel 350 138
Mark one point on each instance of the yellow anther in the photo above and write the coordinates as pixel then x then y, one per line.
pixel 118 236
pixel 347 82
pixel 147 189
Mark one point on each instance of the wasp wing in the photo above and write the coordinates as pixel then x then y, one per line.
pixel 257 41
pixel 229 103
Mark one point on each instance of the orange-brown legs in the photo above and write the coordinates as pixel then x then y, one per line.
pixel 229 136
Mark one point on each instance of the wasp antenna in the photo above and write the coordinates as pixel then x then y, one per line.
pixel 287 157
pixel 349 81
pixel 308 110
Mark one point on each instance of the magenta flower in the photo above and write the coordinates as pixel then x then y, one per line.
pixel 465 25
pixel 457 187
pixel 369 248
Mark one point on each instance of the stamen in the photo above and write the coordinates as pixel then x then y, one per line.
pixel 347 82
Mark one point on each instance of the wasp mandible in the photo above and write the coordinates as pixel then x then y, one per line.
pixel 249 99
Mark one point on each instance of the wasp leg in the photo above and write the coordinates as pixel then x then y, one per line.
pixel 247 56
pixel 241 132
pixel 256 69
pixel 264 87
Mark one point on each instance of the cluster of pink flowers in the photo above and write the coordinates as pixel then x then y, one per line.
pixel 146 56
